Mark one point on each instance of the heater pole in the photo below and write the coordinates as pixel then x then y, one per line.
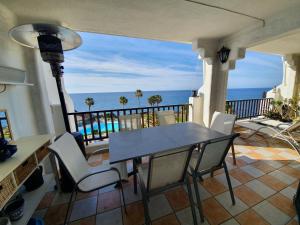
pixel 57 73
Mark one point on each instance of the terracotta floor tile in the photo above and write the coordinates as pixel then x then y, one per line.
pixel 241 176
pixel 272 182
pixel 167 220
pixel 250 217
pixel 108 200
pixel 81 195
pixel 255 156
pixel 240 162
pixel 178 198
pixel 264 167
pixel 283 203
pixel 295 185
pixel 135 214
pixel 290 171
pixel 213 186
pixel 217 215
pixel 293 222
pixel 46 201
pixel 247 195
pixel 86 221
pixel 56 215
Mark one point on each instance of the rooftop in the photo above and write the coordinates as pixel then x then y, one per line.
pixel 264 181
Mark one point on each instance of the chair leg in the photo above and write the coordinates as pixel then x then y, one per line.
pixel 191 201
pixel 233 154
pixel 229 183
pixel 123 197
pixel 69 206
pixel 146 211
pixel 198 199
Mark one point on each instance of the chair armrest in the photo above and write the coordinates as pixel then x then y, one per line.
pixel 98 172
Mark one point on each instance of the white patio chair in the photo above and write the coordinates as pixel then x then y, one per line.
pixel 86 178
pixel 164 171
pixel 130 122
pixel 224 123
pixel 211 157
pixel 275 129
pixel 166 117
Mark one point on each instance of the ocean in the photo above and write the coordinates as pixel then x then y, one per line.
pixel 104 101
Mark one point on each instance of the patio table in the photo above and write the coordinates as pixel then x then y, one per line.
pixel 130 145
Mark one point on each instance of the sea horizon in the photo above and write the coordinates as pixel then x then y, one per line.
pixel 110 100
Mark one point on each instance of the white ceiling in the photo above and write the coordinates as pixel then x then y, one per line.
pixel 285 45
pixel 172 20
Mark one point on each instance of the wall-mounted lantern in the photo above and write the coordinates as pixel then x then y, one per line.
pixel 223 54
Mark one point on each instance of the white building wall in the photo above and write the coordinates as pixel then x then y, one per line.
pixel 16 99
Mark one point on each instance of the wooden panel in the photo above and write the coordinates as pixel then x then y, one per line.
pixel 42 152
pixel 7 188
pixel 22 171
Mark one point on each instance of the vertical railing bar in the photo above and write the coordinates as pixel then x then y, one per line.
pixel 99 126
pixel 76 122
pixel 153 117
pixel 118 115
pixel 105 122
pixel 178 119
pixel 148 119
pixel 182 114
pixel 142 115
pixel 92 126
pixel 112 121
pixel 84 128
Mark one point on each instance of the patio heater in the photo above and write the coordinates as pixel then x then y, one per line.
pixel 52 40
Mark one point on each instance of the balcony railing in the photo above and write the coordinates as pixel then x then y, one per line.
pixel 96 125
pixel 248 108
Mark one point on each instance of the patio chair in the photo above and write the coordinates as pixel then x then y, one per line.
pixel 275 129
pixel 86 178
pixel 211 157
pixel 164 171
pixel 224 123
pixel 166 117
pixel 130 122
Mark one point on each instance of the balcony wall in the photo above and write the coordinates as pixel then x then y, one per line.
pixel 16 99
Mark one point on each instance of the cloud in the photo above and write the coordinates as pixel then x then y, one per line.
pixel 119 65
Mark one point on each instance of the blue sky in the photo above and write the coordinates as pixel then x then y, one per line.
pixel 106 63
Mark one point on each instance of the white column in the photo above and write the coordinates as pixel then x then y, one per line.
pixel 290 86
pixel 215 75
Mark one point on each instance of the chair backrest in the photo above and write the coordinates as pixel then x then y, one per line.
pixel 166 117
pixel 295 126
pixel 213 153
pixel 130 122
pixel 168 168
pixel 68 151
pixel 223 122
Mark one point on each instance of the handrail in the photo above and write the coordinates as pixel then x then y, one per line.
pixel 97 124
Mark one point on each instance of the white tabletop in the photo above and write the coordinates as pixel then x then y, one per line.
pixel 142 142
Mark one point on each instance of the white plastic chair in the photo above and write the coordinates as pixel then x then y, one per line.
pixel 86 178
pixel 130 122
pixel 164 171
pixel 224 123
pixel 211 157
pixel 166 117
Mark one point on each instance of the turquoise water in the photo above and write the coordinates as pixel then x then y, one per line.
pixel 102 125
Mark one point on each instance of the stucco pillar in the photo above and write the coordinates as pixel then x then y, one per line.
pixel 290 86
pixel 215 76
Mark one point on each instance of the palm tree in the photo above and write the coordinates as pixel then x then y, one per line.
pixel 139 94
pixel 89 101
pixel 123 101
pixel 158 99
pixel 151 100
